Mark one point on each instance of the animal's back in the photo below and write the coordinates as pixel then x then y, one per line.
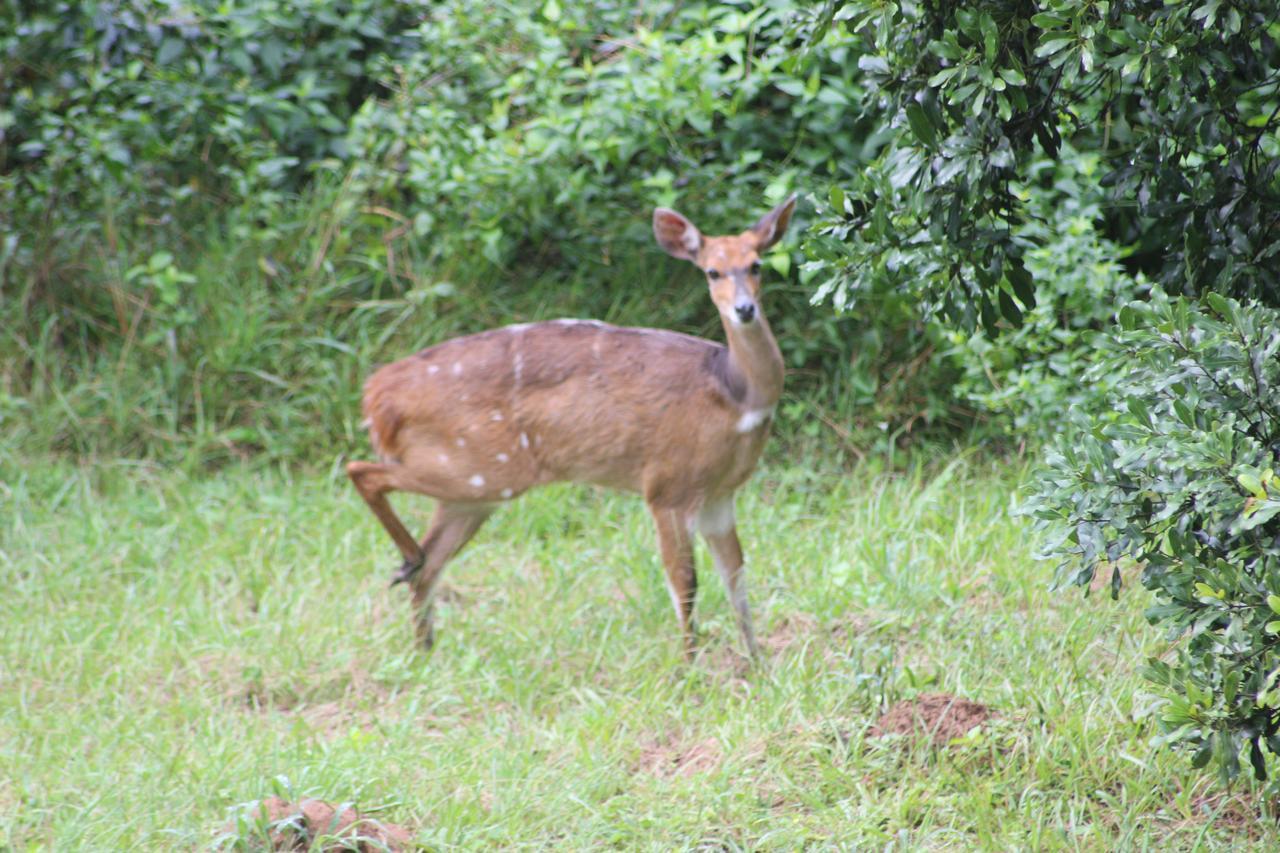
pixel 506 409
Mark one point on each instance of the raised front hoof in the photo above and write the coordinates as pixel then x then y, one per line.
pixel 407 570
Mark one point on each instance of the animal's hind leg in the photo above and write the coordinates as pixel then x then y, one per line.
pixel 373 480
pixel 677 558
pixel 451 528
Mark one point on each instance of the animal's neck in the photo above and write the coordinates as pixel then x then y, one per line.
pixel 754 355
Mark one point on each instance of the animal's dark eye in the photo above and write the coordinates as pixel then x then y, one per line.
pixel 713 273
pixel 755 268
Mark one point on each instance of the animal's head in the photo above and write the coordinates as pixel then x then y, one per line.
pixel 731 264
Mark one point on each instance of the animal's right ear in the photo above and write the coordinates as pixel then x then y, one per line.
pixel 676 235
pixel 773 224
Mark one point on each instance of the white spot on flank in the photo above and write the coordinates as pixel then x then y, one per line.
pixel 502 457
pixel 457 368
pixel 476 480
pixel 496 416
pixel 752 419
pixel 524 440
pixel 714 519
pixel 443 457
pixel 433 368
pixel 462 442
pixel 506 493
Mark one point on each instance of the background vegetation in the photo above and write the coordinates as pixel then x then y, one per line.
pixel 1026 226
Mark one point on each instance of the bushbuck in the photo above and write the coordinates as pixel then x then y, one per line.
pixel 478 420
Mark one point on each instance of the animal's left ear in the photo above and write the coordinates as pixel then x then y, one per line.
pixel 773 224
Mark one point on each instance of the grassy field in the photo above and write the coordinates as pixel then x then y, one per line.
pixel 173 647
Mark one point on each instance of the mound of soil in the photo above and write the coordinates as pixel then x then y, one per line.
pixel 295 826
pixel 668 759
pixel 939 716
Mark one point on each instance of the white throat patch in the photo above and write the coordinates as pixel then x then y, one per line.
pixel 753 419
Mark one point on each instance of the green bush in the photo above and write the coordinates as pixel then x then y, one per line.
pixel 148 95
pixel 577 125
pixel 1030 377
pixel 1180 478
pixel 1179 100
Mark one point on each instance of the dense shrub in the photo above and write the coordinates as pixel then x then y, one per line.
pixel 1180 479
pixel 1179 100
pixel 1030 377
pixel 570 130
pixel 150 96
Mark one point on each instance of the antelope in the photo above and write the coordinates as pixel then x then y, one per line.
pixel 478 420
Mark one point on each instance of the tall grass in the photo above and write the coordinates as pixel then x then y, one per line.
pixel 226 338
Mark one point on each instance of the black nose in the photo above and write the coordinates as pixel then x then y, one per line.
pixel 746 311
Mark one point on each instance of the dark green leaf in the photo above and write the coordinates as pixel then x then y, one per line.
pixel 920 124
pixel 990 319
pixel 1009 308
pixel 1020 280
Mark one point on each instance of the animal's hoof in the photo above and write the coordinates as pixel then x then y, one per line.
pixel 426 629
pixel 407 570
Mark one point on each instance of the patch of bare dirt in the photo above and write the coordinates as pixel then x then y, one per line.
pixel 667 759
pixel 727 663
pixel 299 826
pixel 335 719
pixel 331 701
pixel 939 716
pixel 792 629
pixel 533 571
pixel 851 627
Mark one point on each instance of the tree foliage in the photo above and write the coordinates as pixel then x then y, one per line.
pixel 1167 446
pixel 1030 378
pixel 1181 101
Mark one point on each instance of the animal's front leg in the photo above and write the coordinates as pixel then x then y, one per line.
pixel 726 551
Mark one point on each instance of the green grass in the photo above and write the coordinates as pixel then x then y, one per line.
pixel 174 646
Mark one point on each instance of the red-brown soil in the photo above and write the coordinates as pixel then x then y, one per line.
pixel 939 716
